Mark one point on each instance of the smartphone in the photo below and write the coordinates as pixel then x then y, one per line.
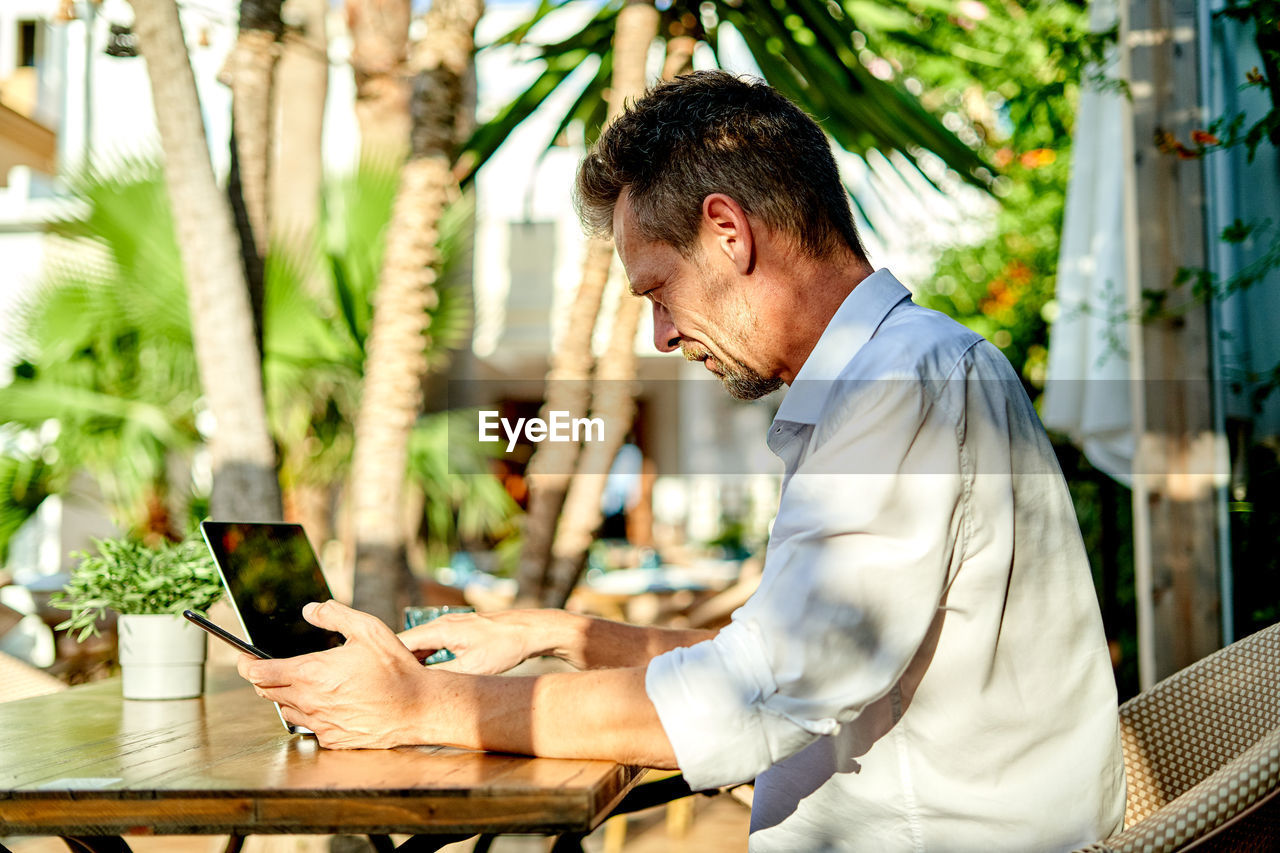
pixel 224 635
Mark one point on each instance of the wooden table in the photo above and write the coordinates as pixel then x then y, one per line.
pixel 85 762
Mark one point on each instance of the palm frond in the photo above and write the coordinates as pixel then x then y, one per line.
pixel 464 500
pixel 806 49
pixel 560 60
pixel 24 484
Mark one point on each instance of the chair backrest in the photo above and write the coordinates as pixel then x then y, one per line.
pixel 1188 726
pixel 20 680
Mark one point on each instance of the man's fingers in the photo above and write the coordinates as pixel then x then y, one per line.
pixel 287 697
pixel 422 637
pixel 242 664
pixel 451 629
pixel 335 616
pixel 267 673
pixel 454 665
pixel 294 717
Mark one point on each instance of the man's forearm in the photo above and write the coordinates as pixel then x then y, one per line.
pixel 603 714
pixel 590 643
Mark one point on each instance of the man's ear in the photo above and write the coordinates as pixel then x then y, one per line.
pixel 725 224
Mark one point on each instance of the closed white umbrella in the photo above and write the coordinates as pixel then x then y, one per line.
pixel 1087 388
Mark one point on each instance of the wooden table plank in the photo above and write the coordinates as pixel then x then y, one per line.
pixel 84 761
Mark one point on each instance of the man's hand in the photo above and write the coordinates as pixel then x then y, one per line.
pixel 367 693
pixel 373 693
pixel 482 644
pixel 492 643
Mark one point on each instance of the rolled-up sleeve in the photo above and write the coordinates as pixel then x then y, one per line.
pixel 858 562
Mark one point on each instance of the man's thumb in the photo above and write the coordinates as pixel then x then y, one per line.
pixel 333 615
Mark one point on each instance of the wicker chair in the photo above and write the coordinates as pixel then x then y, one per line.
pixel 1202 755
pixel 20 680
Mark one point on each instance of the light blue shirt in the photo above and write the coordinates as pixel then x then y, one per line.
pixel 923 666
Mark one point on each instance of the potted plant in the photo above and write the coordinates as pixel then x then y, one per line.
pixel 161 654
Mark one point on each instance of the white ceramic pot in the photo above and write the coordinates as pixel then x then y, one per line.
pixel 161 656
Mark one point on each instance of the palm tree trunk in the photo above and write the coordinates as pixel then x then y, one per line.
pixel 297 170
pixel 310 504
pixel 636 29
pixel 679 58
pixel 552 463
pixel 396 362
pixel 613 400
pixel 379 50
pixel 568 390
pixel 244 476
pixel 250 72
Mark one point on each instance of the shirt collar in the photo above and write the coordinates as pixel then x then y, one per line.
pixel 853 324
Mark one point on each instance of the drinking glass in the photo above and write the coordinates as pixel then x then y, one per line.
pixel 414 616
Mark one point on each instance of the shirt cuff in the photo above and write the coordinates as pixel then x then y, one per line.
pixel 710 699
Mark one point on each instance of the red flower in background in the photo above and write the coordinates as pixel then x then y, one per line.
pixel 1037 157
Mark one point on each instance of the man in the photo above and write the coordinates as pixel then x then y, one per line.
pixel 923 666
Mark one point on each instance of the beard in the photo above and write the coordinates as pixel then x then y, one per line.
pixel 740 381
pixel 749 385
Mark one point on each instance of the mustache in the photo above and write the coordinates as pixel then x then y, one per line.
pixel 694 352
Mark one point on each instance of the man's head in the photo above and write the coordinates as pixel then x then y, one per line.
pixel 711 132
pixel 718 192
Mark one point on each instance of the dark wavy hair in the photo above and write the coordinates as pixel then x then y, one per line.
pixel 713 132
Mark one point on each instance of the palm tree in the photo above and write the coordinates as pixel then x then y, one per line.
pixel 25 481
pixel 379 55
pixel 250 72
pixel 297 178
pixel 297 175
pixel 817 54
pixel 568 388
pixel 107 353
pixel 613 400
pixel 244 463
pixel 396 361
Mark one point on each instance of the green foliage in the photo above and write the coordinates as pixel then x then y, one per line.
pixel 1012 79
pixel 1264 15
pixel 464 502
pixel 24 482
pixel 314 348
pixel 131 578
pixel 314 342
pixel 107 348
pixel 814 52
pixel 1001 287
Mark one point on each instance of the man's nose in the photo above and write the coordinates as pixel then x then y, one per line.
pixel 665 336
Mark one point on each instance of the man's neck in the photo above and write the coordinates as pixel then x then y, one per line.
pixel 817 289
